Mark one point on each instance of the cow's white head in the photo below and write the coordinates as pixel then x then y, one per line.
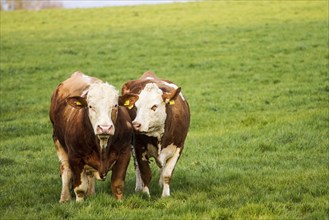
pixel 102 103
pixel 151 109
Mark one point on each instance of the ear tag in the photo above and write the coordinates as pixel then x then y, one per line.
pixel 78 103
pixel 127 103
pixel 171 102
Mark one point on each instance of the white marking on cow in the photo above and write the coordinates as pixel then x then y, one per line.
pixel 174 87
pixel 146 190
pixel 103 142
pixel 171 157
pixel 170 85
pixel 102 98
pixel 84 93
pixel 93 171
pixel 86 78
pixel 151 111
pixel 66 172
pixel 111 166
pixel 164 155
pixel 139 182
pixel 128 124
pixel 82 188
pixel 144 154
pixel 159 150
pixel 167 153
pixel 150 78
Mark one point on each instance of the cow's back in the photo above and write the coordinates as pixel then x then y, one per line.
pixel 76 85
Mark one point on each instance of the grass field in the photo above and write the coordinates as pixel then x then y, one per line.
pixel 256 77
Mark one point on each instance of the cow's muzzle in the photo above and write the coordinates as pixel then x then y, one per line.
pixel 137 125
pixel 105 130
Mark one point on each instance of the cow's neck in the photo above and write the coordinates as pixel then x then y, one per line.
pixel 157 134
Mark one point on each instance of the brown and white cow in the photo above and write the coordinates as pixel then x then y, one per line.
pixel 92 135
pixel 161 119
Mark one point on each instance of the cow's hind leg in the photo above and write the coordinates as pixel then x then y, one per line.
pixel 168 157
pixel 91 184
pixel 66 172
pixel 139 182
pixel 143 172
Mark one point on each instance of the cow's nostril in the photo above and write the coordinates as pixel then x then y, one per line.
pixel 104 129
pixel 99 129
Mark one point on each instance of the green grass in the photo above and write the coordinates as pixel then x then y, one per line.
pixel 256 77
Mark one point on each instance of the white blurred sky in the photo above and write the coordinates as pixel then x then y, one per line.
pixel 105 3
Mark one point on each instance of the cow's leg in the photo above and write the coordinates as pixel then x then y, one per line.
pixel 119 174
pixel 139 182
pixel 91 184
pixel 80 182
pixel 168 157
pixel 66 172
pixel 143 171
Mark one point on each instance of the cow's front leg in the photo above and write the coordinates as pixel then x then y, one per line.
pixel 168 157
pixel 119 174
pixel 65 171
pixel 80 182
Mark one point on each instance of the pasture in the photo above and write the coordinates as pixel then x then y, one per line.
pixel 255 74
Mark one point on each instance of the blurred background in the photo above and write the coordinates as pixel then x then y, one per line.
pixel 10 5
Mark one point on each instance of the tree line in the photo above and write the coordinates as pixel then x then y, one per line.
pixel 10 5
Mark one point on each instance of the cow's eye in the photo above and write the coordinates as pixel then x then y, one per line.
pixel 154 107
pixel 90 106
pixel 115 106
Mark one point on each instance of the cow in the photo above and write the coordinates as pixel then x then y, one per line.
pixel 161 119
pixel 92 135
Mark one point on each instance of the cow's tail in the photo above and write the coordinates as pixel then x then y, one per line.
pixel 133 153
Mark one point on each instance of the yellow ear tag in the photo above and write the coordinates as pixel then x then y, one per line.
pixel 127 103
pixel 171 102
pixel 78 103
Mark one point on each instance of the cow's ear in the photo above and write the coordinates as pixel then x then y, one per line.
pixel 171 96
pixel 128 100
pixel 77 102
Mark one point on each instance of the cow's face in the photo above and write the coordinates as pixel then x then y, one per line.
pixel 102 102
pixel 102 105
pixel 151 109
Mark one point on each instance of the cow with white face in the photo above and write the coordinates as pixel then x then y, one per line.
pixel 91 133
pixel 161 119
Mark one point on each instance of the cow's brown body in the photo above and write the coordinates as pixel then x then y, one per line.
pixel 78 147
pixel 174 134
